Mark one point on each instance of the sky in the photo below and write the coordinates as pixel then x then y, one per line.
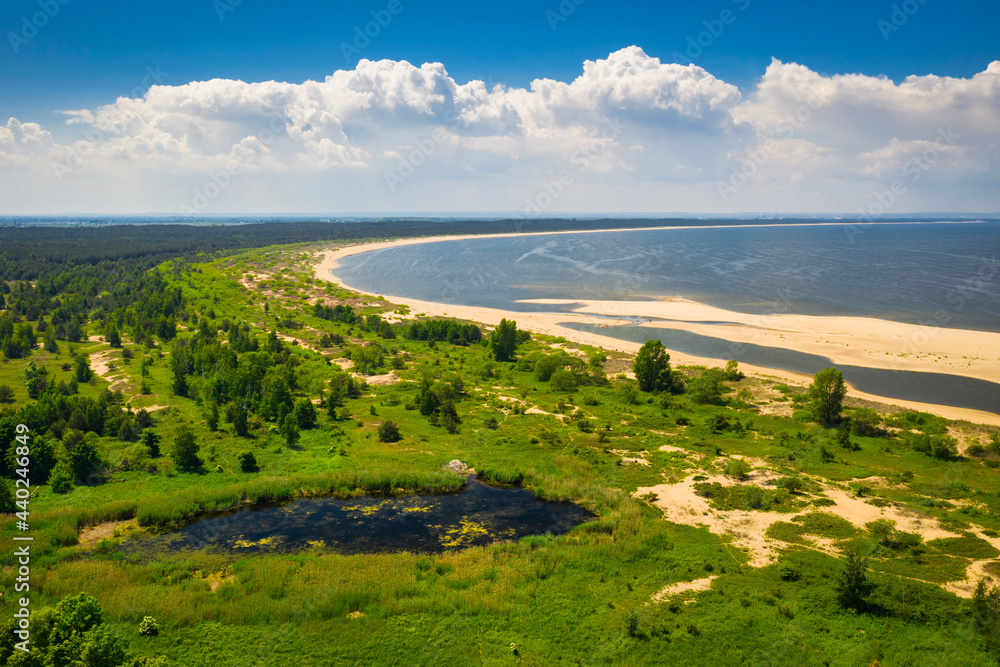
pixel 558 107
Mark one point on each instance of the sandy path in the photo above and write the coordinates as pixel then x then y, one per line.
pixel 863 341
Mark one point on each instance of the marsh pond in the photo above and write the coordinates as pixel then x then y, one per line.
pixel 478 515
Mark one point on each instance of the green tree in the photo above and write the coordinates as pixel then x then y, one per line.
pixel 84 459
pixel 853 586
pixel 290 430
pixel 151 440
pixel 6 497
pixel 185 450
pixel 827 395
pixel 82 371
pixel 43 459
pixel 986 614
pixel 105 648
pixel 449 417
pixel 241 419
pixel 76 614
pixel 111 335
pixel 503 341
pixel 305 414
pixel 652 367
pixel 212 417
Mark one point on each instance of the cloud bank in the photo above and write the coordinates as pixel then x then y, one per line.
pixel 630 134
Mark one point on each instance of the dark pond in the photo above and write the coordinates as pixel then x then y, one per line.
pixel 478 515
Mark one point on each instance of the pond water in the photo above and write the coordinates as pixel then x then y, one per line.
pixel 478 515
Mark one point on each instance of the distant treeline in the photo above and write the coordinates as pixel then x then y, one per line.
pixel 26 253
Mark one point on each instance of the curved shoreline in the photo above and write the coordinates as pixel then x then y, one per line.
pixel 858 341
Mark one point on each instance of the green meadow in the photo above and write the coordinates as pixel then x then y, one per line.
pixel 245 352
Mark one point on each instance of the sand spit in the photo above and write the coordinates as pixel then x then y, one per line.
pixel 861 341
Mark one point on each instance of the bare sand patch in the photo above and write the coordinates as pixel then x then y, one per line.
pixel 858 512
pixel 379 380
pixel 681 504
pixel 89 537
pixel 297 341
pixel 977 569
pixel 695 586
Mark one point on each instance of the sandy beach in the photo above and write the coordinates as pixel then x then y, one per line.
pixel 857 341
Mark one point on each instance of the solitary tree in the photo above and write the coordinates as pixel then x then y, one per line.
pixel 503 340
pixel 185 450
pixel 112 336
pixel 290 430
pixel 827 394
pixel 853 588
pixel 84 459
pixel 652 367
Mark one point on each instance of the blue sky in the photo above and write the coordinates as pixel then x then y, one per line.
pixel 701 123
pixel 91 52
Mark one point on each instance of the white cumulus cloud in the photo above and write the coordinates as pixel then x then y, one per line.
pixel 631 133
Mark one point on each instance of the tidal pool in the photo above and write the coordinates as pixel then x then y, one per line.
pixel 478 515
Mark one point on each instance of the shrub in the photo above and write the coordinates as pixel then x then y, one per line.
pixel 61 480
pixel 738 469
pixel 185 450
pixel 248 462
pixel 389 432
pixel 707 388
pixel 791 484
pixel 148 627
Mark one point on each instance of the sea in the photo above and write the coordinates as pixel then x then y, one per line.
pixel 934 274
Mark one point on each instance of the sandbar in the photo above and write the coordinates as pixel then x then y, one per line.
pixel 858 341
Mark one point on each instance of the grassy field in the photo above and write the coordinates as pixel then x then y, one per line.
pixel 583 598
